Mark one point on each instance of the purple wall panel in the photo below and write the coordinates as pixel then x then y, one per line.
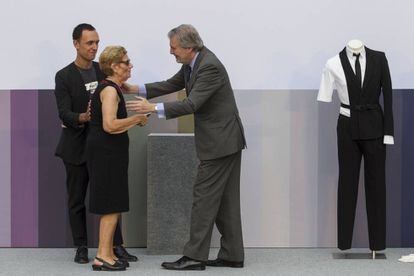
pixel 24 169
pixel 406 166
pixel 5 204
pixel 54 230
pixel 394 164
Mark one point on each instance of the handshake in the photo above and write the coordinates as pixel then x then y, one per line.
pixel 140 106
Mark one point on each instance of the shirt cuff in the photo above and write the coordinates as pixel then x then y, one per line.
pixel 388 140
pixel 161 110
pixel 142 91
pixel 324 99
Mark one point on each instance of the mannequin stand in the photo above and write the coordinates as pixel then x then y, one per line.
pixel 360 256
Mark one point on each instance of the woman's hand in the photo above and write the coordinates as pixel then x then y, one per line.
pixel 143 119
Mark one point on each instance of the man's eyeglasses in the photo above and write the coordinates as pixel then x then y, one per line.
pixel 126 62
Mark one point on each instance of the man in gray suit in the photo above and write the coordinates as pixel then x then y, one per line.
pixel 219 139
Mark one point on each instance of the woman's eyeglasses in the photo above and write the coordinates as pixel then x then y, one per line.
pixel 126 62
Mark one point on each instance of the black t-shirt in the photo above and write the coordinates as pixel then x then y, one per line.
pixel 90 79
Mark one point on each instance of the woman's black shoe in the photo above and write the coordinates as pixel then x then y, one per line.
pixel 105 266
pixel 123 262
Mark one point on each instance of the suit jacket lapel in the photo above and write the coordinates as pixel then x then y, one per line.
pixel 350 76
pixel 369 68
pixel 196 66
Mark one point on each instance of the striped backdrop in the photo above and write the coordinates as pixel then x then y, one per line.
pixel 289 174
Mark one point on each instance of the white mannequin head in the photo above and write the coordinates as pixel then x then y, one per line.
pixel 355 46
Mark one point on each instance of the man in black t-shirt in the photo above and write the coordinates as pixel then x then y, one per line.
pixel 74 86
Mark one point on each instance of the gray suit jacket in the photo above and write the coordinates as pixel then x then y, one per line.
pixel 218 128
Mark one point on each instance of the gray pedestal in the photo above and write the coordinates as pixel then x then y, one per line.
pixel 172 164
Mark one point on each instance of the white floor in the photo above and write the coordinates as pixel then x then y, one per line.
pixel 274 261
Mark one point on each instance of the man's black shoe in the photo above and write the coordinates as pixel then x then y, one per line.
pixel 121 253
pixel 223 263
pixel 184 263
pixel 81 256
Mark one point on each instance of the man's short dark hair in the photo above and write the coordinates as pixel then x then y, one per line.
pixel 77 31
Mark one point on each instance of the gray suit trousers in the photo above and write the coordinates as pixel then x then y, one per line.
pixel 217 200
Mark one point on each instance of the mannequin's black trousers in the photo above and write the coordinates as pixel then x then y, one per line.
pixel 350 153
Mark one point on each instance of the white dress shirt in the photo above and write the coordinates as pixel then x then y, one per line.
pixel 333 77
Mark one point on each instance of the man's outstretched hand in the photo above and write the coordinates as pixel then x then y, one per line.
pixel 140 105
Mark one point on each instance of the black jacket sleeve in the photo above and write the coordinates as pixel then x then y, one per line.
pixel 387 95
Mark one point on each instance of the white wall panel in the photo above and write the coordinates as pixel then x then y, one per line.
pixel 265 44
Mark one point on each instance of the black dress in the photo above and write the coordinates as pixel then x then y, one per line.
pixel 107 159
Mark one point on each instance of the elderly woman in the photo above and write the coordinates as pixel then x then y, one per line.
pixel 107 153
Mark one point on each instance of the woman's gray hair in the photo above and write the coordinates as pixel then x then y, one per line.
pixel 187 36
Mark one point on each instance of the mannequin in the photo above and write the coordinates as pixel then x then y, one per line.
pixel 360 76
pixel 355 46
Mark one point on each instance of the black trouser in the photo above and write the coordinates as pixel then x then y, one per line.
pixel 77 179
pixel 217 200
pixel 350 153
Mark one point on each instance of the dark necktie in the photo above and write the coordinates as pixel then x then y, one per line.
pixel 188 75
pixel 358 69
